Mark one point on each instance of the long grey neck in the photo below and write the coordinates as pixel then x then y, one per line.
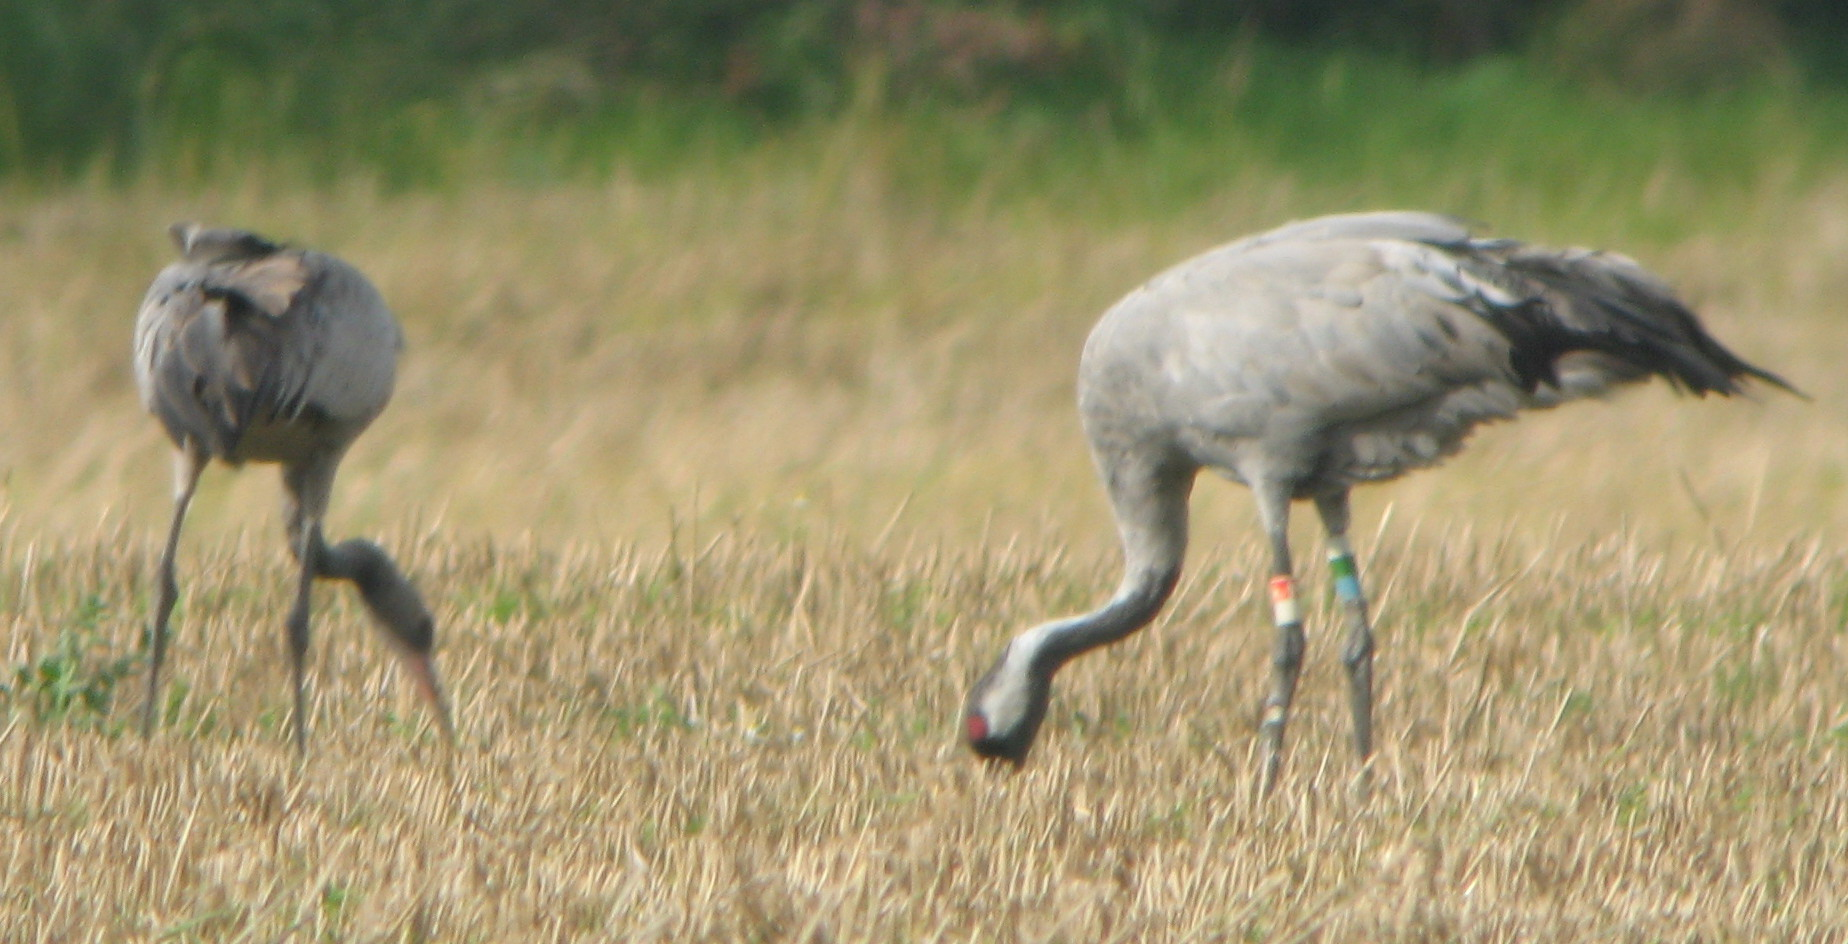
pixel 394 602
pixel 1138 599
pixel 1153 526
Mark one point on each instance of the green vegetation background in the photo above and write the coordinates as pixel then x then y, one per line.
pixel 1114 109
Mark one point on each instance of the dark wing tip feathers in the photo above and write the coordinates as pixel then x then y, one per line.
pixel 1759 373
pixel 1607 303
pixel 1699 364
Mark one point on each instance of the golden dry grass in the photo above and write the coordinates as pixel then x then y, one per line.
pixel 726 486
pixel 754 741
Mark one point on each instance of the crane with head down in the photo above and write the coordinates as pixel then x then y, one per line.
pixel 1312 358
pixel 250 351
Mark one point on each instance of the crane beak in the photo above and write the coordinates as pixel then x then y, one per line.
pixel 422 669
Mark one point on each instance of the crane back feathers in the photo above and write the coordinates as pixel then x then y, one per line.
pixel 218 340
pixel 234 342
pixel 1355 348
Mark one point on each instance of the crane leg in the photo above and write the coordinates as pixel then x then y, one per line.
pixel 1357 654
pixel 1287 657
pixel 188 462
pixel 308 485
pixel 394 603
pixel 306 544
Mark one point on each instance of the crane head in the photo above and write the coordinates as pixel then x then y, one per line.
pixel 1006 707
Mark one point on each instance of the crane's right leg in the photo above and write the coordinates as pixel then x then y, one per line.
pixel 1287 659
pixel 188 461
pixel 1357 654
pixel 308 485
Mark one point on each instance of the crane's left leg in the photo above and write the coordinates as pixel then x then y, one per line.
pixel 1357 654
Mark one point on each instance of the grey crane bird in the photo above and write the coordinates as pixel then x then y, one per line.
pixel 250 351
pixel 1309 359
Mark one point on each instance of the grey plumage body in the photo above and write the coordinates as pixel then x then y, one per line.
pixel 1321 355
pixel 249 351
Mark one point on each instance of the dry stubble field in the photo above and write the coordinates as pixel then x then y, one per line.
pixel 724 488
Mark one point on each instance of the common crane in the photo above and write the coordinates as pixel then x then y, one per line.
pixel 1312 358
pixel 250 351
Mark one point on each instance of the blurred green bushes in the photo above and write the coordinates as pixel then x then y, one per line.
pixel 186 85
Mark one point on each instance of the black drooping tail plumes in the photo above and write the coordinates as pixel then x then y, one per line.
pixel 1580 300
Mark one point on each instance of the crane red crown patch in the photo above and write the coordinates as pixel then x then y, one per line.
pixel 977 728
